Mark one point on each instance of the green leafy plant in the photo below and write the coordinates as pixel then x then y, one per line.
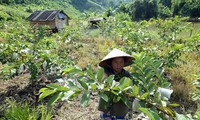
pixel 28 49
pixel 196 94
pixel 22 111
pixel 169 29
pixel 143 85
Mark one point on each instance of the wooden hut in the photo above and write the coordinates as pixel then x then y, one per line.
pixel 55 19
pixel 95 21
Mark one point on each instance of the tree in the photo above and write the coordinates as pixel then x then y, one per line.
pixel 143 9
pixel 166 3
pixel 164 11
pixel 189 8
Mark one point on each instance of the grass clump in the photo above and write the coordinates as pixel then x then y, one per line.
pixel 22 111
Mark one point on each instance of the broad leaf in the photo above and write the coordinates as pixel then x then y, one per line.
pixel 100 74
pixel 157 64
pixel 46 93
pixel 58 87
pixel 43 90
pixel 145 95
pixel 70 84
pixel 115 93
pixel 90 73
pixel 85 99
pixel 73 71
pixel 90 81
pixel 124 82
pixel 67 95
pixel 53 86
pixel 104 96
pixel 135 90
pixel 152 86
pixel 100 87
pixel 127 88
pixel 135 75
pixel 181 117
pixel 126 101
pixel 151 114
pixel 93 86
pixel 165 84
pixel 148 74
pixel 83 84
pixel 110 79
pixel 145 59
pixel 77 92
pixel 55 98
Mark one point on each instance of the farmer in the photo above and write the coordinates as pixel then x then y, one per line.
pixel 114 64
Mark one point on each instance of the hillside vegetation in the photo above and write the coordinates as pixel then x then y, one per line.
pixel 74 8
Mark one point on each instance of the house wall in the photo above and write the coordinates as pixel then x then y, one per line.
pixel 60 23
pixel 51 24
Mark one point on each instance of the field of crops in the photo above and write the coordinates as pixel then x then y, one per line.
pixel 60 71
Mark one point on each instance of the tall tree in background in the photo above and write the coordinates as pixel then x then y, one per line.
pixel 164 8
pixel 143 9
pixel 124 7
pixel 109 12
pixel 194 9
pixel 167 3
pixel 189 8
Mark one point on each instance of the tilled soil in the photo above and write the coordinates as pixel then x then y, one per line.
pixel 71 110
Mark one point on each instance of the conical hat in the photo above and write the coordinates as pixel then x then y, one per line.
pixel 114 54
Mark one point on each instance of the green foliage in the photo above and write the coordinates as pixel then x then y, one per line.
pixel 186 7
pixel 136 35
pixel 123 8
pixel 164 11
pixel 122 17
pixel 144 83
pixel 108 3
pixel 140 9
pixel 148 74
pixel 167 3
pixel 3 16
pixel 29 49
pixel 169 29
pixel 146 9
pixel 151 114
pixel 22 111
pixel 168 48
pixel 196 94
pixel 34 50
pixel 197 113
pixel 9 13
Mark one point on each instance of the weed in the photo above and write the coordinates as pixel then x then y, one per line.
pixel 182 77
pixel 22 111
